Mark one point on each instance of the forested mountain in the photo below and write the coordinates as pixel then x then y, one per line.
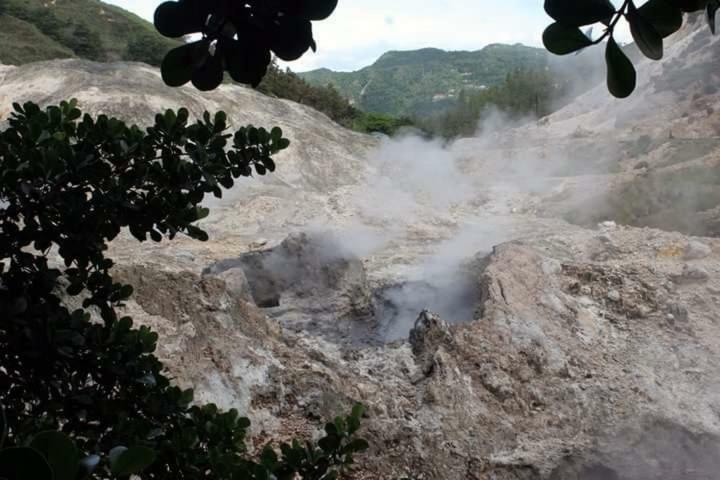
pixel 430 80
pixel 34 30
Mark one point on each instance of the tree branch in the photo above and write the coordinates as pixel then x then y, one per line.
pixel 611 27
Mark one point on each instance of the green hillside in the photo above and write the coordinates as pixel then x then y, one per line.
pixel 426 81
pixel 33 30
pixel 36 30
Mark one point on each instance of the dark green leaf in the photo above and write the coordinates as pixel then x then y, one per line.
pixel 691 5
pixel 269 458
pixel 561 39
pixel 269 164
pixel 137 232
pixel 201 213
pixel 197 234
pixel 710 14
pixel 329 444
pixel 226 182
pixel 174 19
pixel 290 37
pixel 24 463
pixel 643 32
pixel 313 9
pixel 19 306
pixel 353 424
pixel 621 76
pixel 75 289
pixel 245 62
pixel 88 465
pixel 209 75
pixel 357 445
pixel 358 410
pixel 221 118
pixel 340 425
pixel 663 15
pixel 3 425
pixel 186 397
pixel 577 13
pixel 125 291
pixel 132 461
pixel 60 452
pixel 114 454
pixel 177 67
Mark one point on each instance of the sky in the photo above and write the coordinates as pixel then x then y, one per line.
pixel 361 30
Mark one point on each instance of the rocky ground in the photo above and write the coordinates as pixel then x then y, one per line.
pixel 500 304
pixel 590 351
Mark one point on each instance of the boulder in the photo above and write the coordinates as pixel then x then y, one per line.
pixel 307 282
pixel 696 250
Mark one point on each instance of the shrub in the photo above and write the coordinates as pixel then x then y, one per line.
pixel 69 184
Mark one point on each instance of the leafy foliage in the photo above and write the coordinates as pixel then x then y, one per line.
pixel 326 99
pixel 237 37
pixel 69 183
pixel 649 25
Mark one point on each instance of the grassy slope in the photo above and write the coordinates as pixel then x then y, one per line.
pixel 406 82
pixel 21 42
pixel 113 25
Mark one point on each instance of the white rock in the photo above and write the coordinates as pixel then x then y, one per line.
pixel 696 250
pixel 694 273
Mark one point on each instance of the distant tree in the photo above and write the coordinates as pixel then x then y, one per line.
pixel 380 123
pixel 286 84
pixel 86 43
pixel 48 24
pixel 523 94
pixel 145 48
pixel 44 19
pixel 328 100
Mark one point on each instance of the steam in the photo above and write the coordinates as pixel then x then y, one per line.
pixel 425 211
pixel 422 198
pixel 447 203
